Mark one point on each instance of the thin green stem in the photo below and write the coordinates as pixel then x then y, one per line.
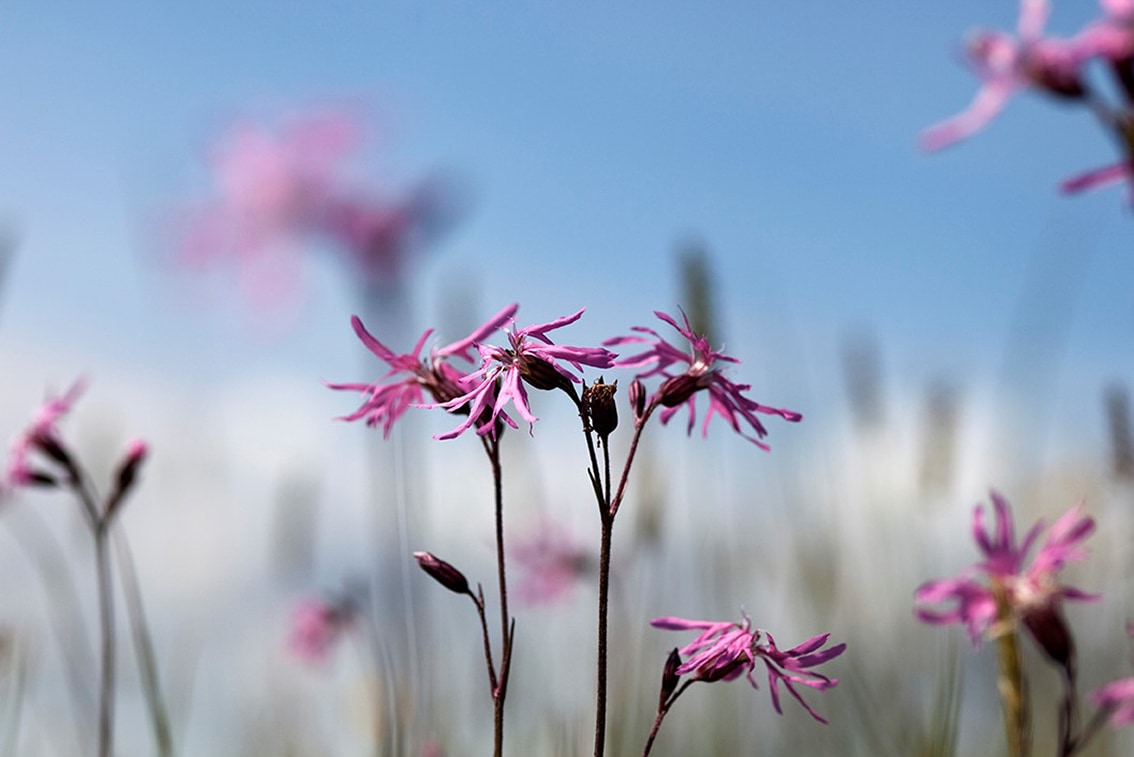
pixel 106 623
pixel 1010 681
pixel 143 644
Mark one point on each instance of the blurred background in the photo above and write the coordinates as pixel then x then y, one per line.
pixel 945 323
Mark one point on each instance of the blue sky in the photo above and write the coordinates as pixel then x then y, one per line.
pixel 594 139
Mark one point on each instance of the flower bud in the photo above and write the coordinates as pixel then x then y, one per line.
pixel 638 398
pixel 600 407
pixel 669 678
pixel 136 454
pixel 443 573
pixel 50 446
pixel 678 389
pixel 1050 632
pixel 540 374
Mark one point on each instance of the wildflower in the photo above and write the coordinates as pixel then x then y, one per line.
pixel 386 400
pixel 1005 65
pixel 600 407
pixel 1117 698
pixel 272 190
pixel 724 650
pixel 379 236
pixel 531 358
pixel 41 435
pixel 1032 593
pixel 552 563
pixel 317 624
pixel 726 398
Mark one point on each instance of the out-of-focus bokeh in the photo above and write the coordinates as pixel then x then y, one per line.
pixel 194 201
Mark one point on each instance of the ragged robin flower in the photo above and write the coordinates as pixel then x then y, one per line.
pixel 1031 592
pixel 723 651
pixel 699 370
pixel 531 359
pixel 410 376
pixel 41 434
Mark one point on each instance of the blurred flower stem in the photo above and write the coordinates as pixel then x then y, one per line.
pixel 1010 680
pixel 143 644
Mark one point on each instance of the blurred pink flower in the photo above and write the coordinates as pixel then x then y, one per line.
pixel 700 371
pixel 21 471
pixel 724 650
pixel 277 190
pixel 316 626
pixel 1117 698
pixel 1005 65
pixel 1033 592
pixel 551 563
pixel 385 401
pixel 530 358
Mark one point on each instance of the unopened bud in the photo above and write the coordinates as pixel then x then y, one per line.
pixel 678 389
pixel 600 407
pixel 638 398
pixel 50 446
pixel 540 374
pixel 669 678
pixel 443 573
pixel 136 454
pixel 1050 632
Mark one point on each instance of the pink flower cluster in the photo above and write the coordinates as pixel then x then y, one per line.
pixel 1006 64
pixel 21 471
pixel 532 359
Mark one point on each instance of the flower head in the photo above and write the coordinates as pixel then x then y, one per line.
pixel 723 651
pixel 403 386
pixel 699 371
pixel 1032 592
pixel 551 561
pixel 42 432
pixel 317 624
pixel 531 358
pixel 1007 64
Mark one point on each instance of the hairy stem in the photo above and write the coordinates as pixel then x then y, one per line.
pixel 106 623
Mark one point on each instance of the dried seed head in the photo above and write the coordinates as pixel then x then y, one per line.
pixel 600 407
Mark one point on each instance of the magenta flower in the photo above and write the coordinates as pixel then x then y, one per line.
pixel 381 236
pixel 316 626
pixel 531 358
pixel 1032 592
pixel 699 372
pixel 386 400
pixel 551 563
pixel 1006 65
pixel 1117 698
pixel 722 651
pixel 272 190
pixel 21 471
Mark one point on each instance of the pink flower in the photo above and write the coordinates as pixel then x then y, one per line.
pixel 722 651
pixel 1005 65
pixel 1117 698
pixel 380 236
pixel 273 189
pixel 21 471
pixel 531 358
pixel 1032 592
pixel 700 371
pixel 551 562
pixel 316 625
pixel 386 400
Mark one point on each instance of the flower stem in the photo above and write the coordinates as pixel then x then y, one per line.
pixel 106 618
pixel 603 607
pixel 1010 681
pixel 662 712
pixel 500 690
pixel 143 644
